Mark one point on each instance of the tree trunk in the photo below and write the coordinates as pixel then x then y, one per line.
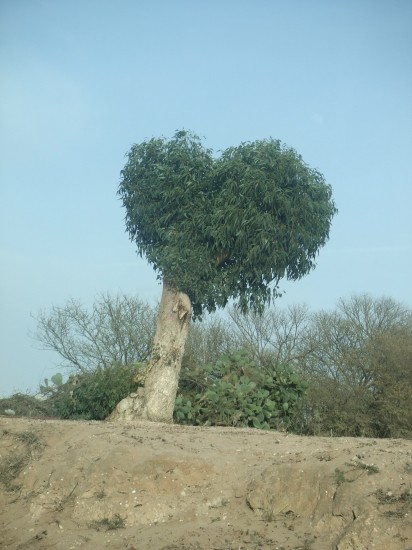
pixel 155 401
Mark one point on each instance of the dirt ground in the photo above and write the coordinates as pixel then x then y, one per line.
pixel 94 485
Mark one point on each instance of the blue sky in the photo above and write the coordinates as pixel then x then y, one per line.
pixel 81 81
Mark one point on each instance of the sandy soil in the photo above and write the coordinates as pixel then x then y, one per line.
pixel 96 485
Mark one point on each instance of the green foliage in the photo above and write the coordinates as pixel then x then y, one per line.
pixel 237 394
pixel 359 368
pixel 351 474
pixel 229 227
pixel 26 405
pixel 57 382
pixel 57 379
pixel 370 468
pixel 95 394
pixel 340 477
pixel 390 359
pixel 356 360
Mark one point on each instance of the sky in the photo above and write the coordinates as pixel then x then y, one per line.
pixel 82 81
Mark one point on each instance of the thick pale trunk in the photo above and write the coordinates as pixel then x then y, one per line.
pixel 155 401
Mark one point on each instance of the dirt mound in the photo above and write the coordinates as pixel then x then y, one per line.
pixel 99 485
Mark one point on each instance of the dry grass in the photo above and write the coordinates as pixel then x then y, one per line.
pixel 26 444
pixel 115 522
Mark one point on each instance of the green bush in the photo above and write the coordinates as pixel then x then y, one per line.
pixel 238 394
pixel 95 394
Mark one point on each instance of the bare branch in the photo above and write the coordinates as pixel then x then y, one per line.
pixel 117 329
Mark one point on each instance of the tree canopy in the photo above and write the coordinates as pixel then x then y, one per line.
pixel 227 227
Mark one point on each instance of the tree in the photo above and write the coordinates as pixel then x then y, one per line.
pixel 215 229
pixel 391 401
pixel 358 358
pixel 117 329
pixel 207 342
pixel 273 338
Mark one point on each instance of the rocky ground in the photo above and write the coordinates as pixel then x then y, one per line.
pixel 95 485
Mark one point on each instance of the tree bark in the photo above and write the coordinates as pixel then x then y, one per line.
pixel 155 401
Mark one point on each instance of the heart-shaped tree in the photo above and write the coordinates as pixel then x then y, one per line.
pixel 215 229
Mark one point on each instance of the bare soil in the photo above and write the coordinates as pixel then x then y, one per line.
pixel 94 485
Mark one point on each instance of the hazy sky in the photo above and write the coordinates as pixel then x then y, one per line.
pixel 82 80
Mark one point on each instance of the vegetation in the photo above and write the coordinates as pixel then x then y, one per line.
pixel 237 393
pixel 93 395
pixel 225 228
pixel 216 229
pixel 20 404
pixel 359 370
pixel 24 446
pixel 109 524
pixel 346 372
pixel 117 329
